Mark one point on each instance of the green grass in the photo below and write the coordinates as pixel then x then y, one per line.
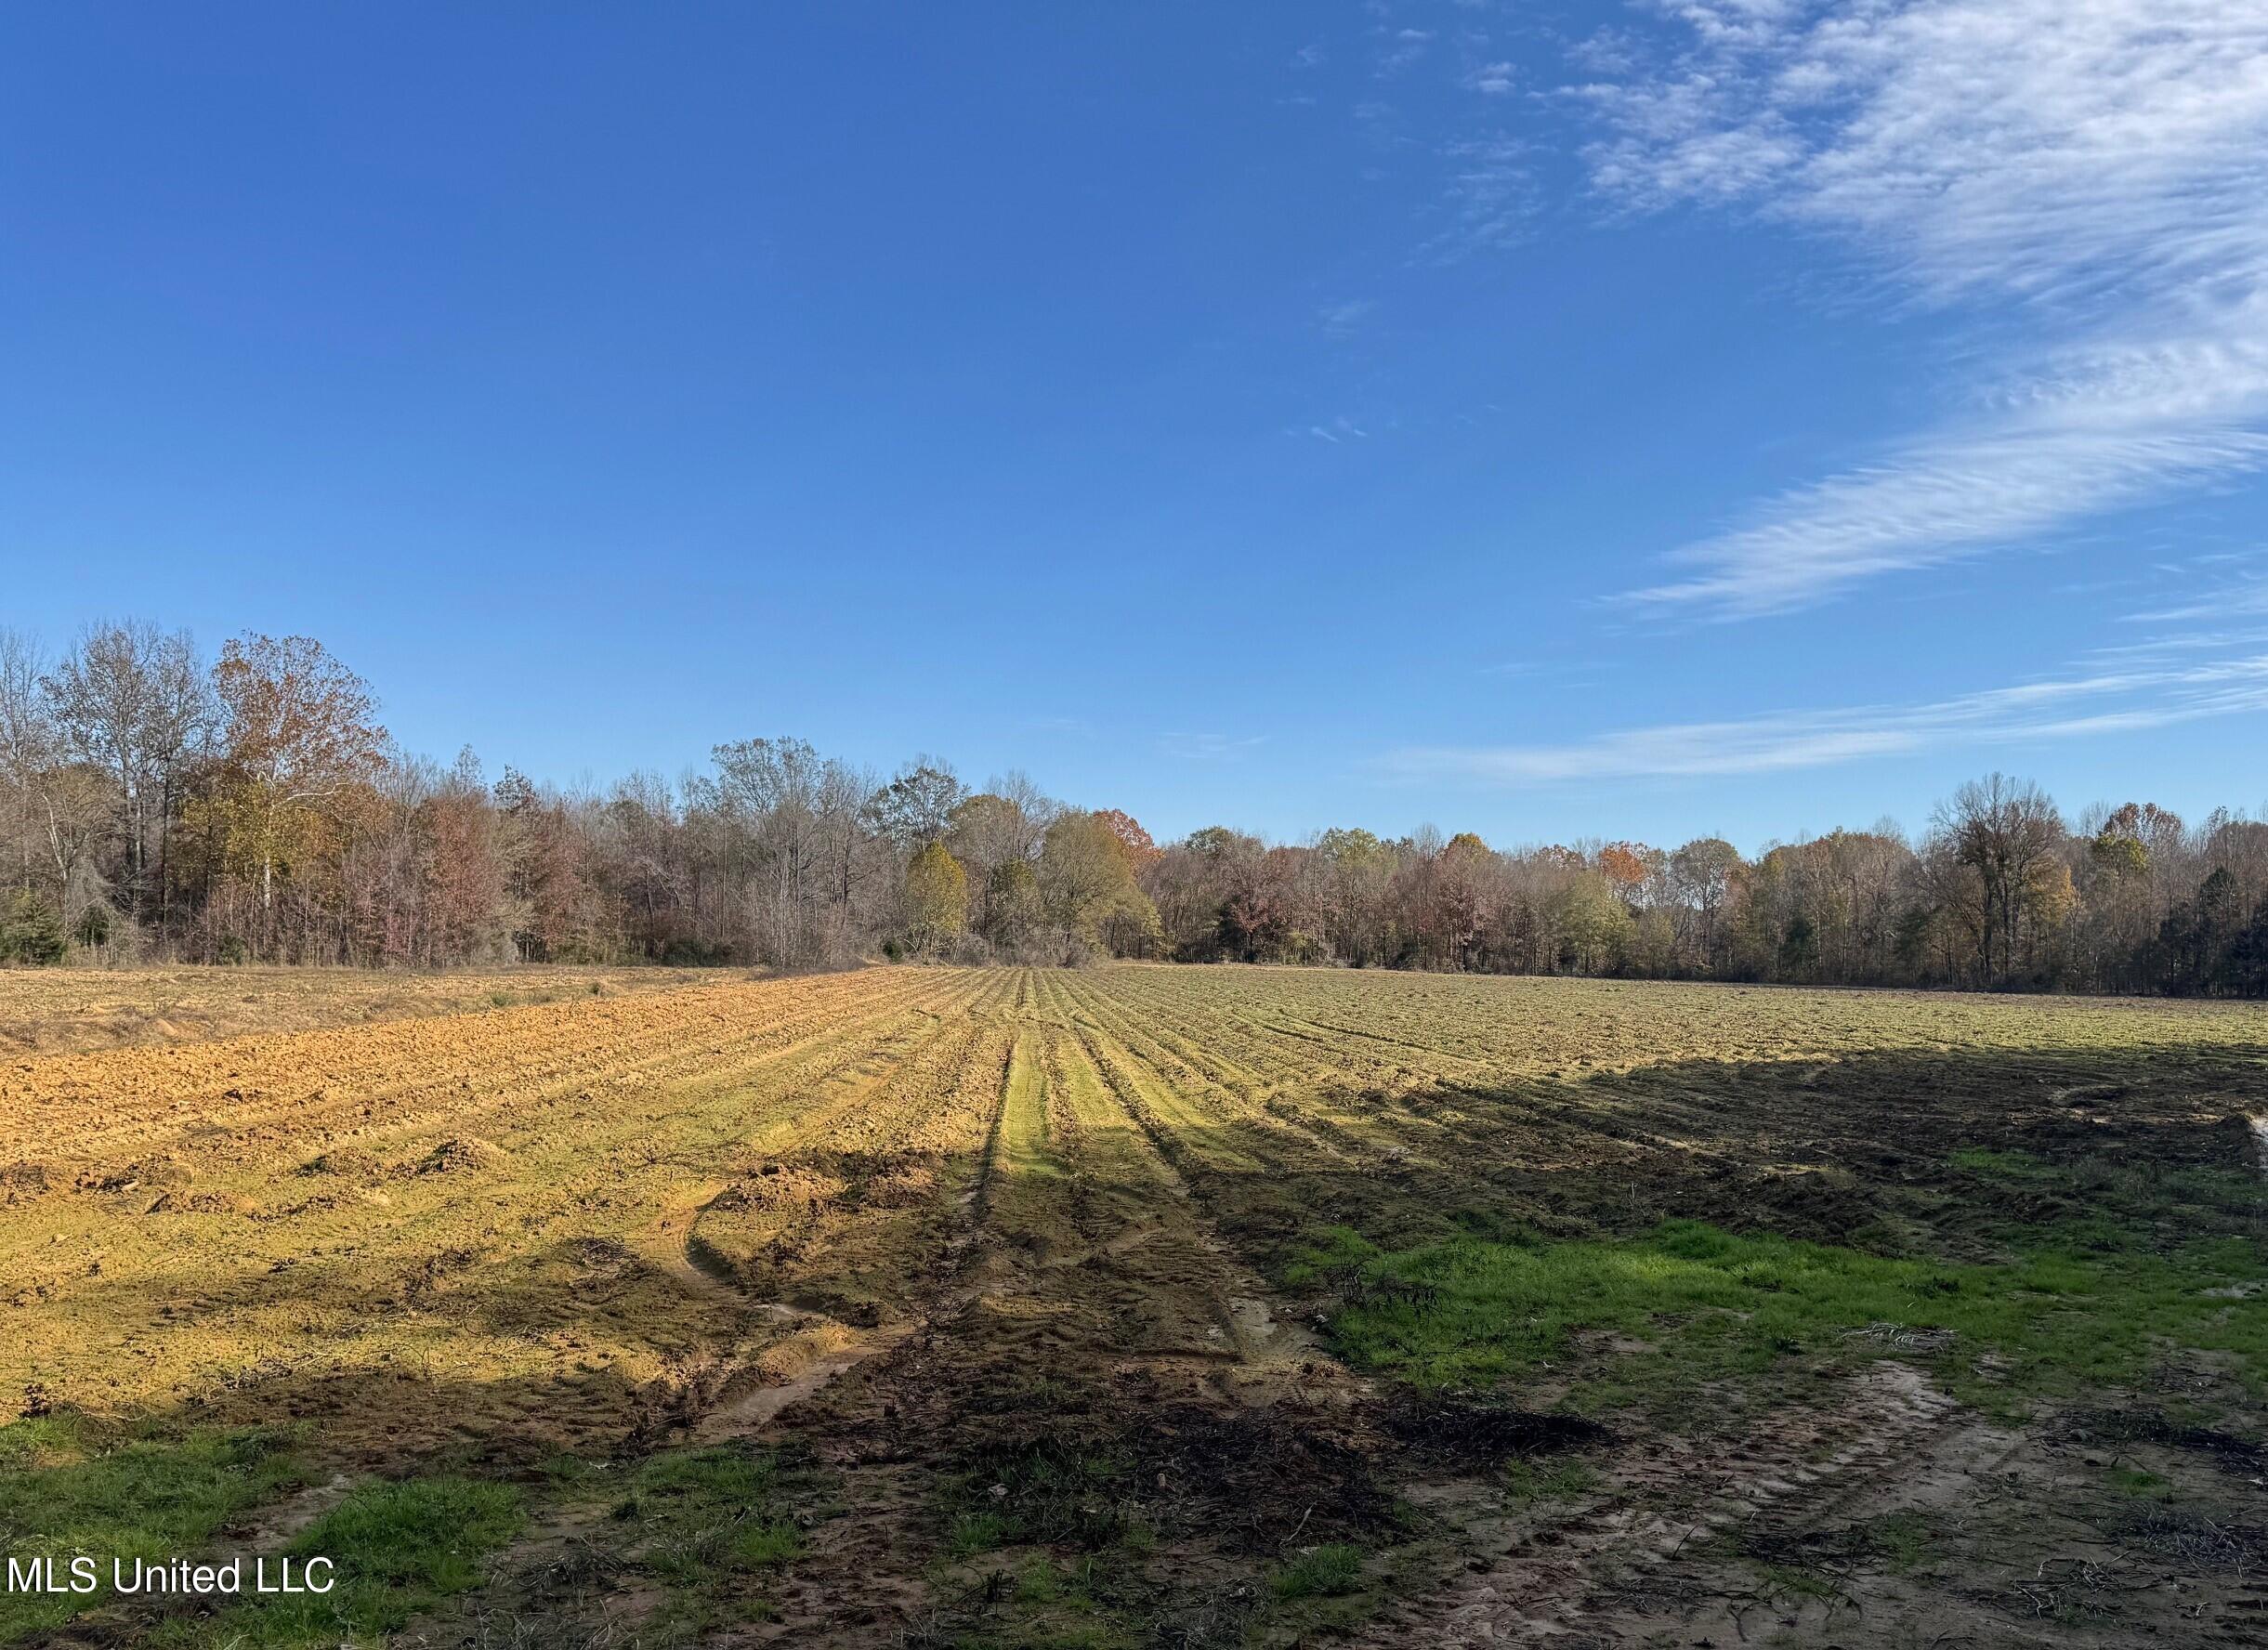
pixel 1320 1572
pixel 1903 1540
pixel 978 1532
pixel 1530 1480
pixel 1092 1602
pixel 2099 1202
pixel 1044 1491
pixel 1471 1311
pixel 702 1513
pixel 2134 1481
pixel 1782 1582
pixel 399 1547
pixel 67 1487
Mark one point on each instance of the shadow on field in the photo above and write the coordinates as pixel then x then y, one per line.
pixel 1890 1152
pixel 992 1445
pixel 1875 1150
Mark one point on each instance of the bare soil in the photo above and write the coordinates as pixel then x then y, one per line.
pixel 1005 1267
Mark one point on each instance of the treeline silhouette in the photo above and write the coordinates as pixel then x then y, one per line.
pixel 156 806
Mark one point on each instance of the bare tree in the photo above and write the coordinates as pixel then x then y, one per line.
pixel 104 700
pixel 28 743
pixel 2008 831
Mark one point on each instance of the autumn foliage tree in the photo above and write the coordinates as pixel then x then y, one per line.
pixel 151 806
pixel 1087 881
pixel 298 740
pixel 936 897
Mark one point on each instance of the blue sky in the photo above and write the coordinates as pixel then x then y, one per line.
pixel 1725 415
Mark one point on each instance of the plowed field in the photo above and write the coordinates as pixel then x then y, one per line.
pixel 1190 1306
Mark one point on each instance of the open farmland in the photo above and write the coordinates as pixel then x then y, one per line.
pixel 1194 1306
pixel 75 1010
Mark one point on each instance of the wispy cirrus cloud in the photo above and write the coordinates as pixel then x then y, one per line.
pixel 2239 590
pixel 2106 701
pixel 2095 166
pixel 1339 431
pixel 1488 198
pixel 1434 113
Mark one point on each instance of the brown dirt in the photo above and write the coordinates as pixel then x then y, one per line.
pixel 77 1010
pixel 944 1233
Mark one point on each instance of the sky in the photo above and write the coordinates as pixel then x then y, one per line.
pixel 1553 420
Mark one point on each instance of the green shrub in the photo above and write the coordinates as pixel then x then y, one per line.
pixel 31 931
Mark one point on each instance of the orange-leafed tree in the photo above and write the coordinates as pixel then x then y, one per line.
pixel 1626 865
pixel 1141 852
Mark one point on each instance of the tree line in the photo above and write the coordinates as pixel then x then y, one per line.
pixel 158 805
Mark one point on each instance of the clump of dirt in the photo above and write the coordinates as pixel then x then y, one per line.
pixel 203 1203
pixel 904 1186
pixel 1266 1477
pixel 781 1185
pixel 1072 1463
pixel 23 1181
pixel 1450 1429
pixel 436 1272
pixel 604 1256
pixel 2226 1450
pixel 164 1171
pixel 468 1151
pixel 351 1162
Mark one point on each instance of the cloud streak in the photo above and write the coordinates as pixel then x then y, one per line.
pixel 1778 741
pixel 2096 165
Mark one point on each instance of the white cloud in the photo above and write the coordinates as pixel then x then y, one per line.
pixel 1406 47
pixel 1495 79
pixel 1344 319
pixel 1491 197
pixel 2107 702
pixel 2096 165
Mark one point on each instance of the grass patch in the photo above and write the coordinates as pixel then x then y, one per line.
pixel 1782 1582
pixel 1903 1540
pixel 1092 1602
pixel 2134 1481
pixel 1471 1311
pixel 978 1532
pixel 1042 1491
pixel 703 1514
pixel 400 1547
pixel 2095 1202
pixel 67 1489
pixel 1527 1482
pixel 1328 1571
